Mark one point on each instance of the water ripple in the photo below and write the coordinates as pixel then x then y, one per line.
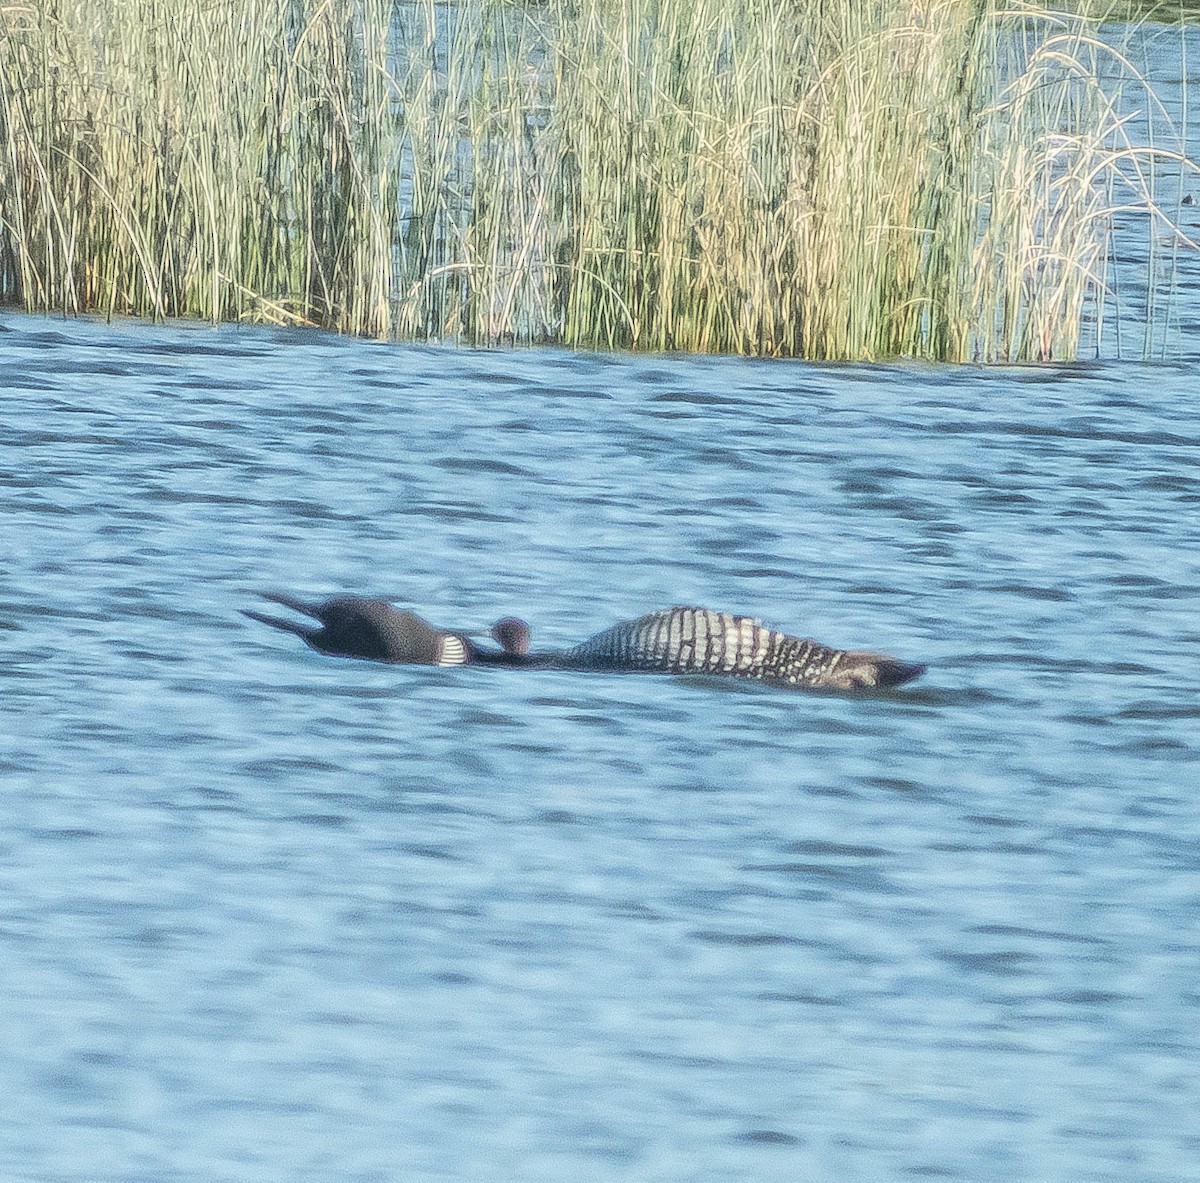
pixel 534 924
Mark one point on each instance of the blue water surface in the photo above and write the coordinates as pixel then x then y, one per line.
pixel 267 915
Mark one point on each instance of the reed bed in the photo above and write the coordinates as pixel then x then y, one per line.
pixel 168 158
pixel 844 179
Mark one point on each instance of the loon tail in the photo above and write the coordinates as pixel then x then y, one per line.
pixel 873 671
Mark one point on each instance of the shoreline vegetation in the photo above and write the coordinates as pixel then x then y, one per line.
pixel 850 179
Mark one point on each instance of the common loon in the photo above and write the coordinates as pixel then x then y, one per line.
pixel 674 641
pixel 701 641
pixel 364 626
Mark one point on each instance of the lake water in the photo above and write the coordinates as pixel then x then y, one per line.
pixel 268 915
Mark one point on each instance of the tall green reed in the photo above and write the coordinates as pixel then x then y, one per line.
pixel 840 178
pixel 1075 140
pixel 215 160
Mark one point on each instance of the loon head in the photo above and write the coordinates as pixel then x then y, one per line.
pixel 512 635
pixel 364 626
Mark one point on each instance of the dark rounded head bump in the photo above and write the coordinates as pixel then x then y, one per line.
pixel 512 635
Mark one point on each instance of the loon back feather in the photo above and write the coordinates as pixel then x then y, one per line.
pixel 688 640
